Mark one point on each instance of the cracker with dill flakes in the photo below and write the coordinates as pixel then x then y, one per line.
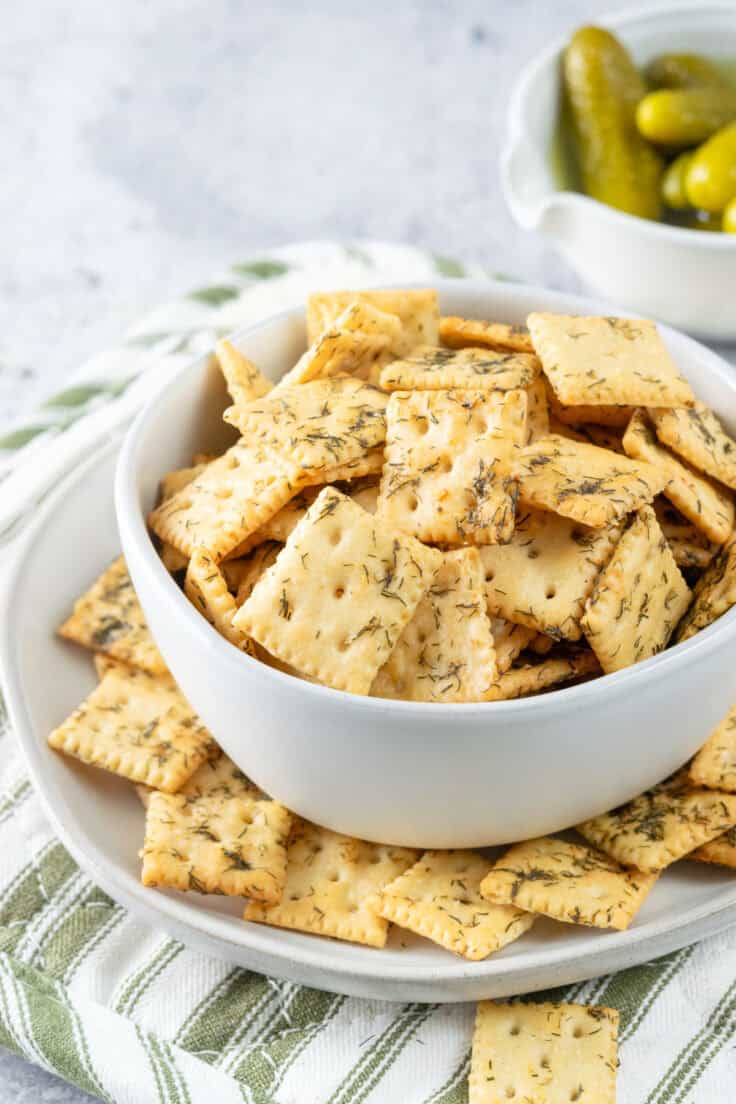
pixel 721 850
pixel 139 726
pixel 231 499
pixel 583 482
pixel 206 589
pixel 567 881
pixel 607 361
pixel 446 653
pixel 551 671
pixel 330 880
pixel 544 575
pixel 663 824
pixel 697 434
pixel 318 425
pixel 543 1054
pixel 708 506
pixel 690 547
pixel 715 764
pixel 256 565
pixel 220 834
pixel 638 599
pixel 459 333
pixel 175 481
pixel 431 368
pixel 439 898
pixel 355 343
pixel 244 381
pixel 278 527
pixel 446 471
pixel 108 618
pixel 416 309
pixel 713 595
pixel 509 640
pixel 603 415
pixel 340 594
pixel 537 411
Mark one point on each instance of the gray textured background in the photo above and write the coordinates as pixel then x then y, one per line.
pixel 147 143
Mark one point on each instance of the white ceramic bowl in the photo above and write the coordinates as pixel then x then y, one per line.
pixel 685 277
pixel 414 773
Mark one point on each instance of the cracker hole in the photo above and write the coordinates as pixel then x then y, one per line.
pixel 223 492
pixel 544 1062
pixel 413 502
pixel 489 576
pixel 233 462
pixel 576 1093
pixel 515 1030
pixel 445 464
pixel 335 877
pixel 339 591
pixel 577 1033
pixel 510 1092
pixel 480 424
pixel 335 537
pixel 550 592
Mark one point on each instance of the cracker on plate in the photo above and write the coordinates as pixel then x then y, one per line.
pixel 416 308
pixel 715 764
pixel 341 592
pixel 244 381
pixel 446 471
pixel 459 333
pixel 721 850
pixel 713 595
pixel 708 506
pixel 607 361
pixel 663 824
pixel 108 618
pixel 551 671
pixel 206 589
pixel 567 881
pixel 690 547
pixel 544 575
pixel 697 434
pixel 330 880
pixel 543 1054
pixel 431 368
pixel 139 726
pixel 583 482
pixel 446 653
pixel 638 599
pixel 439 898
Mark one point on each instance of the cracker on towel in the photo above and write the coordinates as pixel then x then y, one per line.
pixel 446 472
pixel 567 881
pixel 439 898
pixel 553 670
pixel 713 595
pixel 206 589
pixel 108 618
pixel 459 333
pixel 416 308
pixel 446 653
pixel 581 481
pixel 697 434
pixel 341 592
pixel 715 764
pixel 431 368
pixel 244 381
pixel 663 824
pixel 690 547
pixel 329 881
pixel 721 850
pixel 607 361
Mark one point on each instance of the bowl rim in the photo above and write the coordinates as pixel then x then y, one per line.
pixel 565 198
pixel 133 530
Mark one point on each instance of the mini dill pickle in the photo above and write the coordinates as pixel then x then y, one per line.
pixel 603 87
pixel 673 183
pixel 684 117
pixel 682 71
pixel 711 177
pixel 699 220
pixel 728 223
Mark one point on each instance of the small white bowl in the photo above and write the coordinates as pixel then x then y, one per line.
pixel 412 773
pixel 685 277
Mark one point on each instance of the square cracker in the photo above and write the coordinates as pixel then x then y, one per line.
pixel 607 361
pixel 715 764
pixel 721 850
pixel 355 343
pixel 584 482
pixel 431 368
pixel 439 898
pixel 663 824
pixel 709 507
pixel 256 565
pixel 220 834
pixel 697 434
pixel 603 415
pixel 446 471
pixel 175 481
pixel 446 653
pixel 317 425
pixel 244 381
pixel 509 641
pixel 713 594
pixel 206 589
pixel 638 599
pixel 537 411
pixel 139 726
pixel 459 333
pixel 416 308
pixel 228 502
pixel 329 881
pixel 340 594
pixel 108 618
pixel 543 1054
pixel 690 547
pixel 567 881
pixel 544 575
pixel 553 670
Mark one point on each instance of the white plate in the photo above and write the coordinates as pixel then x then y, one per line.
pixel 99 819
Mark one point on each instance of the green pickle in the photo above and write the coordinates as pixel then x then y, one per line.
pixel 711 177
pixel 696 220
pixel 682 71
pixel 674 194
pixel 728 222
pixel 603 87
pixel 685 117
